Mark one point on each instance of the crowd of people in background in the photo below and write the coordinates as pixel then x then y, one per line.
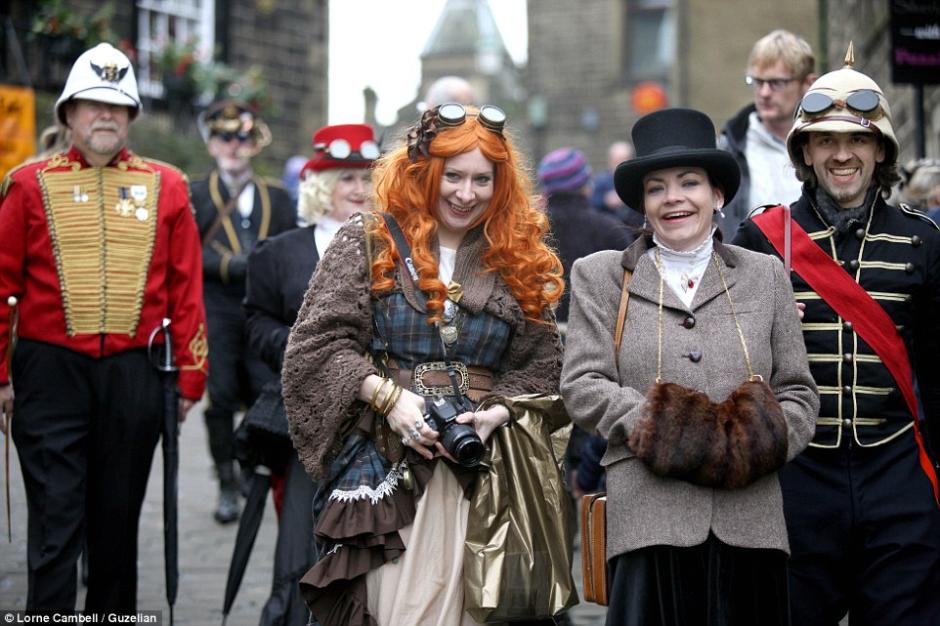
pixel 741 324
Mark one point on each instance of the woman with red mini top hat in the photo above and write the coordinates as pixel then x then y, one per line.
pixel 335 185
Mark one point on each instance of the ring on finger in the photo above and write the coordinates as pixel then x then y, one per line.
pixel 419 424
pixel 405 440
pixel 414 434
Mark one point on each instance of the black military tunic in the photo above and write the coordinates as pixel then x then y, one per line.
pixel 235 377
pixel 864 527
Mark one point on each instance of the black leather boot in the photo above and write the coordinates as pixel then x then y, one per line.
pixel 227 509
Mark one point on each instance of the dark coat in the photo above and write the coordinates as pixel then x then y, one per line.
pixel 279 271
pixel 733 139
pixel 896 258
pixel 578 231
pixel 225 256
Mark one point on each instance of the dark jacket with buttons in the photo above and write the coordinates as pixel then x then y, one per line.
pixel 895 257
pixel 225 247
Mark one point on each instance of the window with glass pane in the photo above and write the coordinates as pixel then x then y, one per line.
pixel 651 40
pixel 170 22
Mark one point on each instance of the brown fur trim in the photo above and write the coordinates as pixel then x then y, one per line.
pixel 682 434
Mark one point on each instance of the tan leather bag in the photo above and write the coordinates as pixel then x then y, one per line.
pixel 594 506
pixel 594 547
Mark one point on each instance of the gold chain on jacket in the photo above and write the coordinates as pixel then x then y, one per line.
pixel 734 315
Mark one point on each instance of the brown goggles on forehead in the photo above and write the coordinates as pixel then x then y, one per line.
pixel 863 102
pixel 490 116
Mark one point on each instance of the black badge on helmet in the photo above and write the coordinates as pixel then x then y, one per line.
pixel 109 72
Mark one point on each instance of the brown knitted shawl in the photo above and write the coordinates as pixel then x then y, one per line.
pixel 326 361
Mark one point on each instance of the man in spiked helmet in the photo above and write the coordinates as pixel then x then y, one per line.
pixel 100 246
pixel 862 504
pixel 234 210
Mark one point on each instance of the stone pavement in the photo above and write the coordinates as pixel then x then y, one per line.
pixel 205 547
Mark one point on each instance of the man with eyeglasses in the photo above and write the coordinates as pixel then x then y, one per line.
pixel 779 71
pixel 861 503
pixel 234 210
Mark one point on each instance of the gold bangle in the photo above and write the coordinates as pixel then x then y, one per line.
pixel 391 399
pixel 375 393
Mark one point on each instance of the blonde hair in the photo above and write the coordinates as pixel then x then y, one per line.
pixel 315 191
pixel 782 45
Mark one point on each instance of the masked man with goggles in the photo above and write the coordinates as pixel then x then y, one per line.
pixel 99 245
pixel 861 502
pixel 234 209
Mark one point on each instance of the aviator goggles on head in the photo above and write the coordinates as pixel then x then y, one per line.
pixel 864 102
pixel 242 135
pixel 490 116
pixel 341 150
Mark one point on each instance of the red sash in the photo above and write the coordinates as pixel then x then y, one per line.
pixel 852 302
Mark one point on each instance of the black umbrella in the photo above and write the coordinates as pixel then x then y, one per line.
pixel 248 526
pixel 171 455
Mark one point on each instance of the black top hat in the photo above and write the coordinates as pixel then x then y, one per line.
pixel 670 138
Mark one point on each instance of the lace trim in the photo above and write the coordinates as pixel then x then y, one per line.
pixel 384 489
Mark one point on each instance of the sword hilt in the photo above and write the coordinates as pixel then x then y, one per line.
pixel 11 331
pixel 164 362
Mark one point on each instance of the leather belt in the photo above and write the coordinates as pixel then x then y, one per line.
pixel 430 379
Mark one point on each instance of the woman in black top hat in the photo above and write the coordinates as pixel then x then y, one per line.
pixel 707 394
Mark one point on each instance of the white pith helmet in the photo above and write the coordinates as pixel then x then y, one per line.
pixel 102 74
pixel 839 87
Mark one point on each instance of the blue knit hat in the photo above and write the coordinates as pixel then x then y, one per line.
pixel 564 169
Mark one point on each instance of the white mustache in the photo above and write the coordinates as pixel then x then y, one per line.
pixel 111 127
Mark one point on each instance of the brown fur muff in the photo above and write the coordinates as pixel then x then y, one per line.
pixel 682 434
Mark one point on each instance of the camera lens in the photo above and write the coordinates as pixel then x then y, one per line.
pixel 462 441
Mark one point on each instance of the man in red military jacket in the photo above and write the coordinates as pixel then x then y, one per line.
pixel 99 245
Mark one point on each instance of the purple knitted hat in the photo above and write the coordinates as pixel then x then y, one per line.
pixel 564 169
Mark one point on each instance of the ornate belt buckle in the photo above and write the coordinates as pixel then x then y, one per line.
pixel 440 390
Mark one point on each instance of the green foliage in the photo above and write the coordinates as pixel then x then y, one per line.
pixel 178 59
pixel 157 138
pixel 55 18
pixel 222 81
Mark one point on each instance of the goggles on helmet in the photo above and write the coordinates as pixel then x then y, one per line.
pixel 227 136
pixel 341 150
pixel 864 102
pixel 490 116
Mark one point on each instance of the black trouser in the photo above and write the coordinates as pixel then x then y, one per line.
pixel 235 376
pixel 85 431
pixel 865 536
pixel 711 584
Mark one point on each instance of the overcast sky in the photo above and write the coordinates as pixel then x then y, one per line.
pixel 377 43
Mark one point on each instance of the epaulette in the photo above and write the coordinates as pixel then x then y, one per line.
pixel 904 208
pixel 168 166
pixel 8 179
pixel 758 210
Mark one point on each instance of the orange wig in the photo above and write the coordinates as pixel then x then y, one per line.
pixel 513 229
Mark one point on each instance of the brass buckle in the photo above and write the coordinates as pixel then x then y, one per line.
pixel 440 390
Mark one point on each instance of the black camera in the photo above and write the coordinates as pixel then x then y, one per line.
pixel 461 440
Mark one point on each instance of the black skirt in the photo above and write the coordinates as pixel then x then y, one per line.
pixel 711 584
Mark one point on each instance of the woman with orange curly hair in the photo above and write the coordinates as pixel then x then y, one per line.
pixel 419 324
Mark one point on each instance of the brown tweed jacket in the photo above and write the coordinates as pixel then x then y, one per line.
pixel 701 350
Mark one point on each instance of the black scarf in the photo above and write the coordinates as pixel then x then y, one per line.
pixel 844 220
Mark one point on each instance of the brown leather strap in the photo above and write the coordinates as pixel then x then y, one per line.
pixel 479 379
pixel 622 313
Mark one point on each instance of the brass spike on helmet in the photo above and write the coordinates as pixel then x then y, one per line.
pixel 850 55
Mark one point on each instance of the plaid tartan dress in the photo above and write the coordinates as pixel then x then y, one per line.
pixel 360 472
